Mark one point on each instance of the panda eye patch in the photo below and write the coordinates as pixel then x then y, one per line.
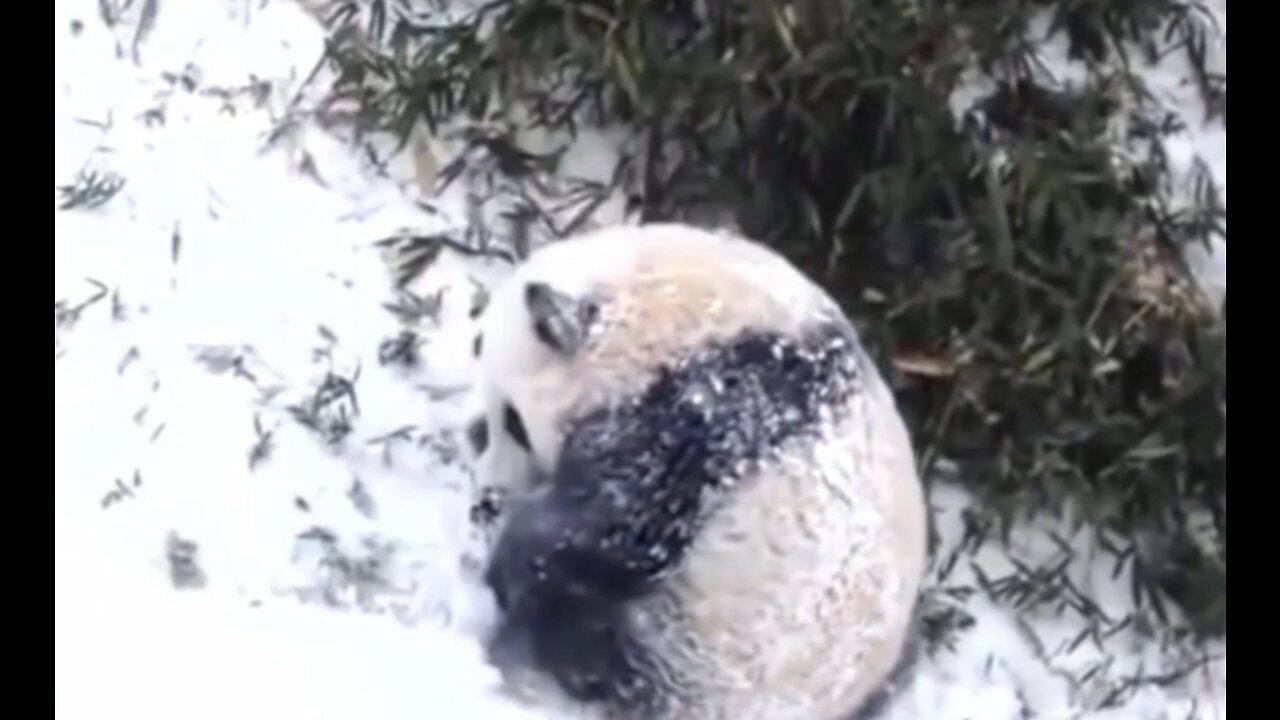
pixel 478 435
pixel 514 426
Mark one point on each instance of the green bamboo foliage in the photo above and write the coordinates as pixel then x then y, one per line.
pixel 1020 280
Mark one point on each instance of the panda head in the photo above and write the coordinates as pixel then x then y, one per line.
pixel 589 321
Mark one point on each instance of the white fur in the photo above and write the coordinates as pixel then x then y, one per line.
pixel 797 593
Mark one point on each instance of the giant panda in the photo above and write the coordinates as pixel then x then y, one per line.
pixel 713 509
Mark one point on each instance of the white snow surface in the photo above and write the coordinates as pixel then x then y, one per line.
pixel 149 441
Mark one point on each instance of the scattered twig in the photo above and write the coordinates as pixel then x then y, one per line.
pixel 65 316
pixel 331 408
pixel 263 446
pixel 404 349
pixel 121 491
pixel 184 566
pixel 411 309
pixel 90 190
pixel 402 434
pixel 146 21
pixel 361 499
pixel 175 243
pixel 128 359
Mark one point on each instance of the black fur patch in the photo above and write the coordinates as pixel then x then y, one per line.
pixel 622 505
pixel 513 425
pixel 560 322
pixel 478 435
pixel 542 330
pixel 584 644
pixel 477 345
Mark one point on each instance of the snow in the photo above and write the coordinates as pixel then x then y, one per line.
pixel 221 247
pixel 127 646
pixel 127 643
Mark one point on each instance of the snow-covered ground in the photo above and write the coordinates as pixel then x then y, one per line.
pixel 216 558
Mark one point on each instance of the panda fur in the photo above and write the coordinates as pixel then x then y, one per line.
pixel 714 507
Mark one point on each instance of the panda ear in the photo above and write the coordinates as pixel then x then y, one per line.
pixel 560 321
